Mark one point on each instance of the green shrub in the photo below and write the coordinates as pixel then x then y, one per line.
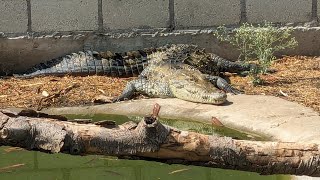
pixel 257 43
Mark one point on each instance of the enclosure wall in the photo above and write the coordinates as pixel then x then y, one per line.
pixel 105 15
pixel 34 31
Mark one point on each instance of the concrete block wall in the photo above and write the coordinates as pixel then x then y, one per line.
pixel 20 16
pixel 127 14
pixel 34 31
pixel 13 16
pixel 66 15
pixel 279 11
pixel 190 13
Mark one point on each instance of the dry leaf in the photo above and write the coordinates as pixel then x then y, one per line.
pixel 33 84
pixel 103 99
pixel 177 171
pixel 11 149
pixel 102 91
pixel 215 121
pixel 284 94
pixel 45 93
pixel 8 168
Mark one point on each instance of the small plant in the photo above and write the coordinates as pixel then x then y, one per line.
pixel 257 43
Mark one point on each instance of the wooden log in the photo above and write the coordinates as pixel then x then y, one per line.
pixel 151 139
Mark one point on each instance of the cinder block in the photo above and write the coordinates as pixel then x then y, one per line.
pixel 127 14
pixel 318 6
pixel 13 16
pixel 66 15
pixel 284 11
pixel 189 13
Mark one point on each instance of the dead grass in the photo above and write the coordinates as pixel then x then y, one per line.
pixel 297 79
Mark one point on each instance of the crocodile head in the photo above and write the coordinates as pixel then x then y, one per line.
pixel 197 93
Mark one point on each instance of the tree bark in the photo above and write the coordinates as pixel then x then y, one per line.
pixel 151 139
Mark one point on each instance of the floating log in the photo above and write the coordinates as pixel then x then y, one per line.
pixel 152 140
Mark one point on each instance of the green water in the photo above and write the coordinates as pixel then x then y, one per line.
pixel 33 165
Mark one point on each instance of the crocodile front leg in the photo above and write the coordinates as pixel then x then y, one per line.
pixel 144 86
pixel 222 84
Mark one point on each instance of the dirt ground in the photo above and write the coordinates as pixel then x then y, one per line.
pixel 297 79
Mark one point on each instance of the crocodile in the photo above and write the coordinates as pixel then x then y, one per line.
pixel 131 63
pixel 177 80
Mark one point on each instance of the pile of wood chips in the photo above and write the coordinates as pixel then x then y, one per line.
pixel 297 79
pixel 49 91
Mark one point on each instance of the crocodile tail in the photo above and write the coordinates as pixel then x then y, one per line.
pixel 25 76
pixel 88 63
pixel 57 67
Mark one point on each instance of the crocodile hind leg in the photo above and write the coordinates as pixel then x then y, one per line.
pixel 144 86
pixel 213 64
pixel 222 84
pixel 224 65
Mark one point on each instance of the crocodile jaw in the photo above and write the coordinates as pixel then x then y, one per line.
pixel 217 97
pixel 214 98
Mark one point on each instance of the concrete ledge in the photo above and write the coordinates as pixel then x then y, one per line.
pixel 67 15
pixel 287 121
pixel 13 16
pixel 190 13
pixel 18 54
pixel 279 11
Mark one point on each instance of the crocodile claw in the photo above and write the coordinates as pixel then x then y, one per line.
pixel 234 91
pixel 116 99
pixel 223 85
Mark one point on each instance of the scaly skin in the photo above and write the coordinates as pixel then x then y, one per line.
pixel 131 63
pixel 165 79
pixel 88 63
pixel 207 63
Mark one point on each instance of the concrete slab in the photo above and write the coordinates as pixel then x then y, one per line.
pixel 190 13
pixel 279 11
pixel 135 14
pixel 268 115
pixel 67 15
pixel 13 16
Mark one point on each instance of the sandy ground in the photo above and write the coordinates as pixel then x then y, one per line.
pixel 297 79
